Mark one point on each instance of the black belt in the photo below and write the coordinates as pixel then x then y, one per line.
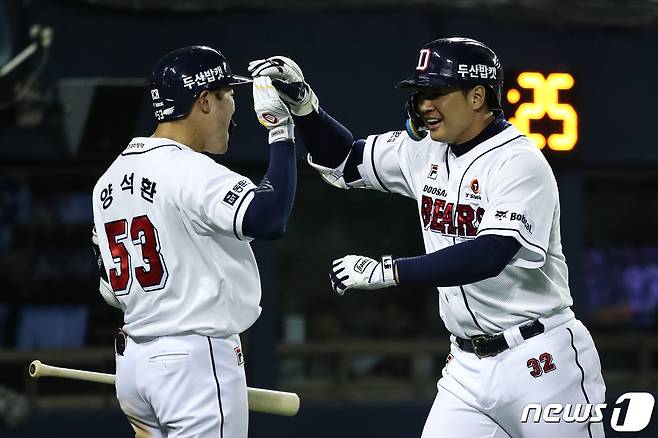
pixel 491 345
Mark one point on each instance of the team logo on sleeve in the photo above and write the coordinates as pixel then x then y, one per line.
pixel 434 171
pixel 524 218
pixel 230 198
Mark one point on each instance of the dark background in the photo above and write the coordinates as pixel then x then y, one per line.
pixel 68 110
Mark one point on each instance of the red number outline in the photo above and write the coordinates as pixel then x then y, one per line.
pixel 547 360
pixel 536 367
pixel 152 275
pixel 543 365
pixel 120 279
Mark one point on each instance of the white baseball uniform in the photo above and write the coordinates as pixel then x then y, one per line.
pixel 169 224
pixel 502 186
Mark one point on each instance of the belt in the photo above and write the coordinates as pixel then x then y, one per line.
pixel 491 345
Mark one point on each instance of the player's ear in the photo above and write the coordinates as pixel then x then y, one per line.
pixel 203 101
pixel 477 97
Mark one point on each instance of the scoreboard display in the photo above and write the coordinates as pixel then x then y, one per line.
pixel 541 105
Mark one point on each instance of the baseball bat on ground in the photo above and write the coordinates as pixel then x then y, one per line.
pixel 260 400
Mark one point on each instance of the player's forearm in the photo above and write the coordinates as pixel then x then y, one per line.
pixel 268 213
pixel 326 139
pixel 460 264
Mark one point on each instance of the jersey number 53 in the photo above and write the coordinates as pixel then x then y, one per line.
pixel 151 274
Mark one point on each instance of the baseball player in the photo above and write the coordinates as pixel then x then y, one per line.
pixel 490 216
pixel 173 229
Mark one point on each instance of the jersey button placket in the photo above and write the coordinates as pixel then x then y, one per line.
pixel 455 180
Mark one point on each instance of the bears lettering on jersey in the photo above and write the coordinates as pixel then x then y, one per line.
pixel 437 216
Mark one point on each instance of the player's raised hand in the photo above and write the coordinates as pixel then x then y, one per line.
pixel 271 111
pixel 289 81
pixel 360 272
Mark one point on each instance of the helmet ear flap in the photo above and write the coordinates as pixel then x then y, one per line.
pixel 493 98
pixel 414 123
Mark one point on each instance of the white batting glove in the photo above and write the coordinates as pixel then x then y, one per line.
pixel 288 79
pixel 103 286
pixel 272 113
pixel 359 272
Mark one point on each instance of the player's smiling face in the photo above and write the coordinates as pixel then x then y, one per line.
pixel 448 113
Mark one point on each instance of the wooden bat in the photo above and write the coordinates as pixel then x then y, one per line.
pixel 260 400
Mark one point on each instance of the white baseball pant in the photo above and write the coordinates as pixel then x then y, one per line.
pixel 183 386
pixel 485 398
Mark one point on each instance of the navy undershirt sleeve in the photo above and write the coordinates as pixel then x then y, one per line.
pixel 464 263
pixel 351 171
pixel 326 139
pixel 268 213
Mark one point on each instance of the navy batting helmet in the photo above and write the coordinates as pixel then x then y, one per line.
pixel 457 62
pixel 453 62
pixel 180 76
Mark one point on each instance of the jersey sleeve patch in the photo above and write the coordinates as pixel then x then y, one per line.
pixel 522 202
pixel 212 196
pixel 235 192
pixel 230 198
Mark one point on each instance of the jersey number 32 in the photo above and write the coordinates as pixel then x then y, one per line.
pixel 151 273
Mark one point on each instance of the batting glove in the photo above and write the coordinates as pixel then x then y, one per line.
pixel 288 79
pixel 359 272
pixel 272 113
